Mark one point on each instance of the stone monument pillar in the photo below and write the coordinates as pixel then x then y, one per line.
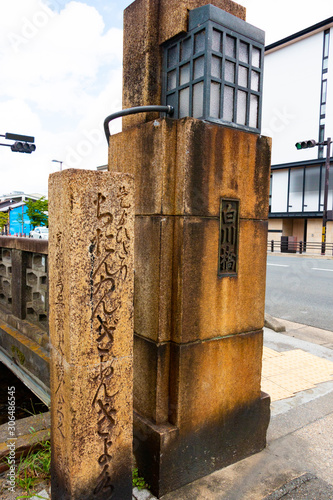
pixel 201 198
pixel 91 217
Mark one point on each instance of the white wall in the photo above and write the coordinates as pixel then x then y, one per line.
pixel 291 98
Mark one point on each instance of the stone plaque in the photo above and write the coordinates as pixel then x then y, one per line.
pixel 228 240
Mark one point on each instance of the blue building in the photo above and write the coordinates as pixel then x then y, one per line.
pixel 17 225
pixel 14 205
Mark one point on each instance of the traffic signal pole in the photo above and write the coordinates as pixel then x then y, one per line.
pixel 23 144
pixel 327 176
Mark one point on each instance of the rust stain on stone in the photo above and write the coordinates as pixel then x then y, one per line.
pixel 32 346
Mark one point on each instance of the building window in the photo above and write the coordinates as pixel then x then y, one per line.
pixel 296 190
pixel 323 98
pixel 279 191
pixel 323 95
pixel 299 190
pixel 326 49
pixel 311 189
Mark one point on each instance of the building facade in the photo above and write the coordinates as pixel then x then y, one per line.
pixel 298 106
pixel 18 220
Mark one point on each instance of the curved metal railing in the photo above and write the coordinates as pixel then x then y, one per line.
pixel 131 111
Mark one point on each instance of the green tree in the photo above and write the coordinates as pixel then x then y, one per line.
pixel 4 219
pixel 36 211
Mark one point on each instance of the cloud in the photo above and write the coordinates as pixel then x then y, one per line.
pixel 60 77
pixel 54 63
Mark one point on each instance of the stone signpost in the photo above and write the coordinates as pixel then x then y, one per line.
pixel 201 198
pixel 91 217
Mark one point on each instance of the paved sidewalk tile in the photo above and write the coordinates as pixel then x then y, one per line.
pixel 270 353
pixel 286 373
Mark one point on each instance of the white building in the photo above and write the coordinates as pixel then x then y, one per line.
pixel 17 196
pixel 298 106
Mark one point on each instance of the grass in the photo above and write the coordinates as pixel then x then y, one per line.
pixel 34 467
pixel 138 482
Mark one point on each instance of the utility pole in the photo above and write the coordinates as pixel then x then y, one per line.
pixel 311 144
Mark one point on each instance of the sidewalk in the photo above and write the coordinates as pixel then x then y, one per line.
pixel 298 460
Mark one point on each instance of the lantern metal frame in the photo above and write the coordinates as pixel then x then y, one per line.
pixel 214 71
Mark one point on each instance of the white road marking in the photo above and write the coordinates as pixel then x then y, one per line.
pixel 278 265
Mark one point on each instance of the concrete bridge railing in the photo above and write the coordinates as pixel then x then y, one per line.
pixel 24 337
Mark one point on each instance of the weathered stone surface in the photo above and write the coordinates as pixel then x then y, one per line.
pixel 25 244
pixel 221 162
pixel 198 336
pixel 148 152
pixel 174 14
pixel 91 333
pixel 183 167
pixel 32 332
pixel 154 247
pixel 27 354
pixel 92 449
pixel 151 379
pixel 205 306
pixel 187 456
pixel 213 383
pixel 177 293
pixel 19 267
pixel 148 24
pixel 182 395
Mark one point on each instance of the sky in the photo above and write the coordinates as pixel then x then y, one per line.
pixel 61 75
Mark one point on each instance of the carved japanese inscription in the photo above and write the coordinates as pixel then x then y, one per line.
pixel 109 269
pixel 228 240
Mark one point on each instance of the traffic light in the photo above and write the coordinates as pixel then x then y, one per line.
pixel 23 147
pixel 306 144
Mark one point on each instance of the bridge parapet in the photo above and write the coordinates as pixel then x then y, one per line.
pixel 6 277
pixel 24 336
pixel 24 279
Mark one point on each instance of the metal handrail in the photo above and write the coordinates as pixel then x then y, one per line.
pixel 300 246
pixel 131 111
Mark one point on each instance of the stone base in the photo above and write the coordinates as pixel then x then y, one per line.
pixel 169 459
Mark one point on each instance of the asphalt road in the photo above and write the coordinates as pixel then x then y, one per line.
pixel 300 289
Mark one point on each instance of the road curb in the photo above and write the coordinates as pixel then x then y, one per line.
pixel 274 324
pixel 300 255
